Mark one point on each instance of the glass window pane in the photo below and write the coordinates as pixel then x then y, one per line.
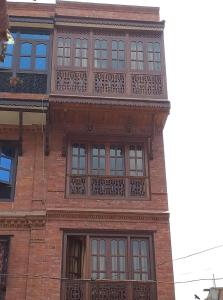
pixel 139 152
pixel 34 36
pixel 102 163
pixel 150 56
pixel 102 247
pixel 114 45
pixel 133 65
pixel 120 164
pixel 139 164
pixel 78 43
pixel 133 55
pixel 144 264
pixel 151 66
pixel 132 164
pixel 144 276
pixel 136 267
pixel 26 49
pixel 102 263
pixel 115 263
pixel 157 66
pixel 67 52
pixel 102 275
pixel 41 50
pixel 66 61
pixel 122 264
pixel 10 48
pixel 112 163
pixel 121 55
pixel 104 64
pixel 59 51
pixel 150 47
pixel 82 162
pixel 140 56
pixel 75 162
pixel 67 42
pixel 5 163
pixel 84 63
pixel 4 176
pixel 122 276
pixel 40 63
pixel 7 64
pixel 94 276
pixel 25 63
pixel 84 53
pixel 104 54
pixel 137 276
pixel 94 247
pixel 77 62
pixel 135 245
pixel 157 47
pixel 78 53
pixel 95 162
pixel 133 46
pixel 75 150
pixel 114 64
pixel 114 55
pixel 94 263
pixel 114 248
pixel 143 248
pixel 122 248
pixel 140 65
pixel 84 44
pixel 60 42
pixel 121 45
pixel 140 46
pixel 82 150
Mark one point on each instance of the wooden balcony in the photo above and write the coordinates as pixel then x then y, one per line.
pixel 107 186
pixel 110 84
pixel 107 290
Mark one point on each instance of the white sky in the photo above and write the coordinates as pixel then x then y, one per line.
pixel 193 133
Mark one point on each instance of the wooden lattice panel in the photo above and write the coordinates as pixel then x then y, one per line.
pixel 109 291
pixel 108 186
pixel 109 83
pixel 71 81
pixel 147 85
pixel 78 185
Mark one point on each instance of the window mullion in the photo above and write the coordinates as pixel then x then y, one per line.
pixel 107 159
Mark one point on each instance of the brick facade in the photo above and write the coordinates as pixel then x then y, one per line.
pixel 41 212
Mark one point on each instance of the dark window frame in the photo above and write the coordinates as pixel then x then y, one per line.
pixel 4 239
pixel 12 186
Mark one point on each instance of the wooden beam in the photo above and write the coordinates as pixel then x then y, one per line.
pixel 20 133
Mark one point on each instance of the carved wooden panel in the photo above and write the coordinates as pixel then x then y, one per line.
pixel 147 84
pixel 78 185
pixel 4 248
pixel 109 291
pixel 141 291
pixel 108 186
pixel 74 290
pixel 137 187
pixel 109 83
pixel 71 81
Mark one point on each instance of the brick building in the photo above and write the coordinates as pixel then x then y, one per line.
pixel 83 199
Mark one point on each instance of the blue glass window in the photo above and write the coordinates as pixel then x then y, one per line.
pixel 25 56
pixel 40 60
pixel 7 64
pixel 5 169
pixel 30 36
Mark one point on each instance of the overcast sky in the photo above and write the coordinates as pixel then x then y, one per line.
pixel 193 137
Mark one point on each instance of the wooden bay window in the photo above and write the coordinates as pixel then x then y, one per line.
pixel 107 170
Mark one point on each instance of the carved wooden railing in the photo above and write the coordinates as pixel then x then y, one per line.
pixel 107 186
pixel 110 84
pixel 107 290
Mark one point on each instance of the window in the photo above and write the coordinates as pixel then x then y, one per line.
pixel 154 58
pixel 8 160
pixel 101 54
pixel 137 56
pixel 118 55
pixel 111 257
pixel 109 169
pixel 107 159
pixel 64 52
pixel 27 59
pixel 81 48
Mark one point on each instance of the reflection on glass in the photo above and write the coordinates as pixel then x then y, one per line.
pixel 114 248
pixel 114 263
pixel 135 248
pixel 102 247
pixel 4 176
pixel 40 63
pixel 94 247
pixel 121 264
pixel 26 49
pixel 41 50
pixel 25 63
pixel 102 263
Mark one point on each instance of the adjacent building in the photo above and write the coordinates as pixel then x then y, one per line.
pixel 83 197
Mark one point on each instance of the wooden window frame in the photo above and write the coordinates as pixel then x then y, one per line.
pixel 14 169
pixel 87 237
pixel 126 177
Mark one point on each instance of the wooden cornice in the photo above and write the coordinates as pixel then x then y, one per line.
pixel 152 104
pixel 110 215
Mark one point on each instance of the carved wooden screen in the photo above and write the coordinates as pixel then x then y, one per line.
pixel 4 252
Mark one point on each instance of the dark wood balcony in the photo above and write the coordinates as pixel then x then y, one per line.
pixel 111 84
pixel 108 186
pixel 107 290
